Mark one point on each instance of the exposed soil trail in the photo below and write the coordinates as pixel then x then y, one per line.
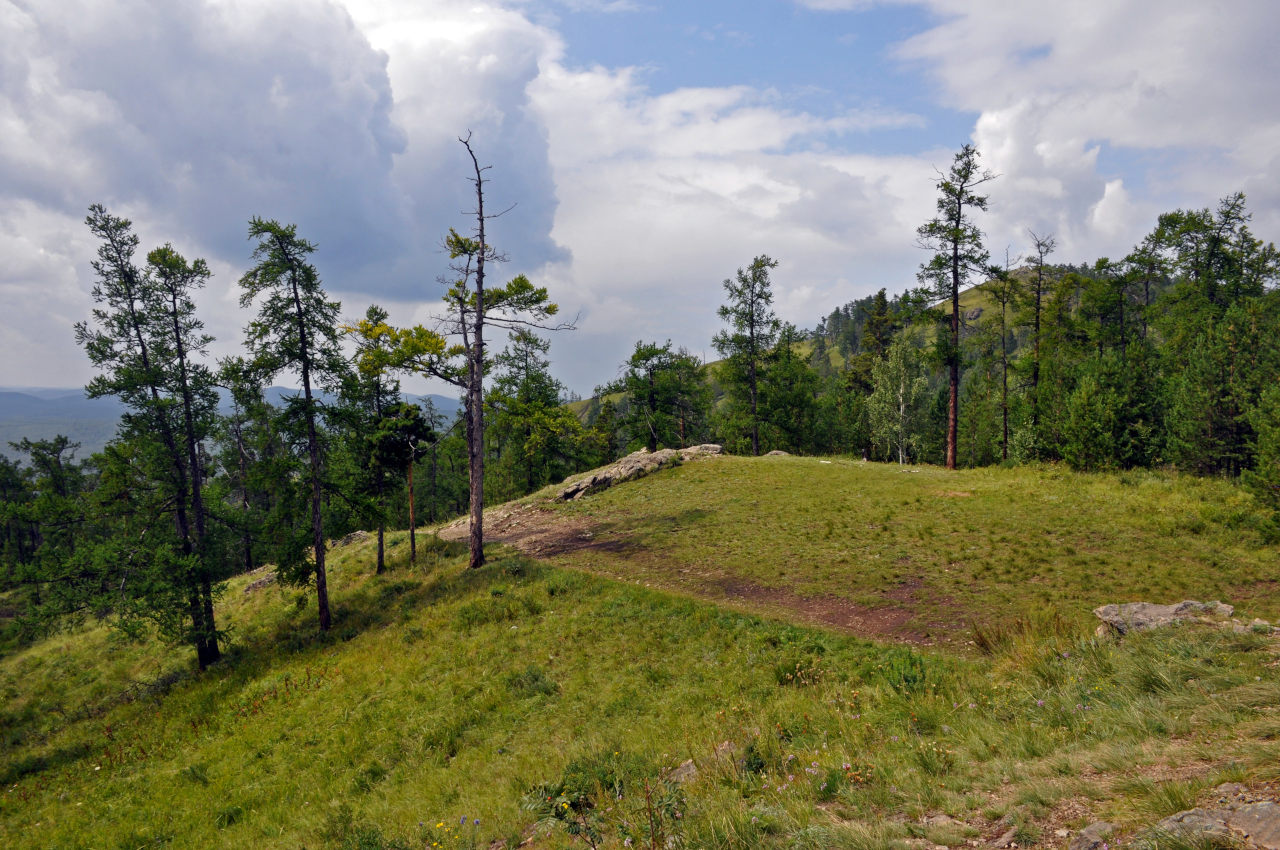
pixel 544 533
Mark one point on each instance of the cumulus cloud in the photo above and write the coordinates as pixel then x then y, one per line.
pixel 192 117
pixel 1063 93
pixel 632 204
pixel 663 195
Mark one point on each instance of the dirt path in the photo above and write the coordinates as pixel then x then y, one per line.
pixel 544 533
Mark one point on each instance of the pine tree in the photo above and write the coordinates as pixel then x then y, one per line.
pixel 958 254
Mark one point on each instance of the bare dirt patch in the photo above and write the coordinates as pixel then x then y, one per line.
pixel 545 533
pixel 832 612
pixel 534 530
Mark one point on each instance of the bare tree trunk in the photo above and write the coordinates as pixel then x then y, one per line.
pixel 475 385
pixel 313 450
pixel 953 356
pixel 413 523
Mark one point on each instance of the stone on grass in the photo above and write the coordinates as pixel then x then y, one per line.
pixel 1092 837
pixel 1141 616
pixel 635 465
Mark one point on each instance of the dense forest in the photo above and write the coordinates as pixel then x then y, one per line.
pixel 1167 357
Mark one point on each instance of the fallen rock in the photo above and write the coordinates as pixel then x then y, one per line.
pixel 1092 837
pixel 777 453
pixel 1230 789
pixel 1141 616
pixel 259 583
pixel 1197 824
pixel 635 465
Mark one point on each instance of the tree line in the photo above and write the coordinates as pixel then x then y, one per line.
pixel 1166 357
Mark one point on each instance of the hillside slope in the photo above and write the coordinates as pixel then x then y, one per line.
pixel 912 553
pixel 546 690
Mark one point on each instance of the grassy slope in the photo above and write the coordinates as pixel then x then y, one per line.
pixel 952 546
pixel 444 692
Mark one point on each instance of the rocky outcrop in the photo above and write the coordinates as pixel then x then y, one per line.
pixel 1255 825
pixel 353 537
pixel 635 465
pixel 1140 616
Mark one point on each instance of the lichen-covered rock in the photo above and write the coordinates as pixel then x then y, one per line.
pixel 1140 616
pixel 635 465
pixel 1092 837
pixel 353 537
pixel 1253 825
pixel 1257 823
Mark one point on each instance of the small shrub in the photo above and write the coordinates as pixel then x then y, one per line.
pixel 196 773
pixel 934 758
pixel 369 777
pixel 904 671
pixel 495 610
pixel 800 672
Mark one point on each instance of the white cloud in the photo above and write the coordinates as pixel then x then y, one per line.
pixel 632 204
pixel 662 196
pixel 1058 88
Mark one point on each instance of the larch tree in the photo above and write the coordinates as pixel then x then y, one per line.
pixel 142 339
pixel 473 307
pixel 958 254
pixel 753 332
pixel 296 330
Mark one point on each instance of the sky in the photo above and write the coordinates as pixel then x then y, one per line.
pixel 646 149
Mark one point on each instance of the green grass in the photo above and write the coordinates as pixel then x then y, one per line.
pixel 949 547
pixel 444 693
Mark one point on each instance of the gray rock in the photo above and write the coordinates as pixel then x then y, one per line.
pixel 1198 823
pixel 1258 823
pixel 1140 616
pixel 1229 789
pixel 1092 837
pixel 635 465
pixel 353 537
pixel 777 453
pixel 259 583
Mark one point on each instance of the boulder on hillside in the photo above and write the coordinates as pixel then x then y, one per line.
pixel 1254 825
pixel 1141 616
pixel 635 465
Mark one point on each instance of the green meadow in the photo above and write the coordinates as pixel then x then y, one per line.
pixel 670 685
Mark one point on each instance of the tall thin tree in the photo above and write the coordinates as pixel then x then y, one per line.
pixel 296 329
pixel 958 253
pixel 754 330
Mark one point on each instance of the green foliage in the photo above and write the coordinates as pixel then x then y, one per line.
pixel 667 400
pixel 895 405
pixel 753 331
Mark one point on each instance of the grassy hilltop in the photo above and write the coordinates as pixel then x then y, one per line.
pixel 827 654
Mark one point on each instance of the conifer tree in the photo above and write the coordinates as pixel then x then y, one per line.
pixel 753 332
pixel 296 330
pixel 958 254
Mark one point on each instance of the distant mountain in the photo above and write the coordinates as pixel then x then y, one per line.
pixel 37 413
